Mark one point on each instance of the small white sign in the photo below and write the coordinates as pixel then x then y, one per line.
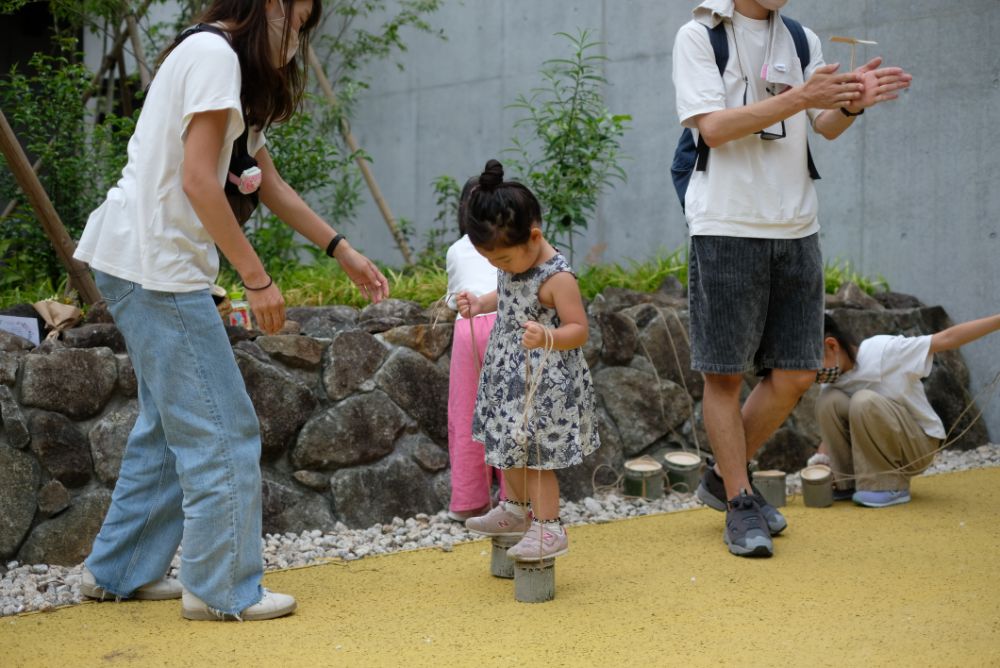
pixel 26 328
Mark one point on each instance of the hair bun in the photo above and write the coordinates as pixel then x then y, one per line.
pixel 492 175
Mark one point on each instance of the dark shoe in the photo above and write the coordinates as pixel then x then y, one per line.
pixel 712 492
pixel 746 529
pixel 843 494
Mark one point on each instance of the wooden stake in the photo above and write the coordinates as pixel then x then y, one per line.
pixel 352 145
pixel 137 50
pixel 28 181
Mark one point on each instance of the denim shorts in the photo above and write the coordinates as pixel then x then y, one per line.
pixel 756 304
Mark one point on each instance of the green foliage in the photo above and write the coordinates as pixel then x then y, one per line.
pixel 572 149
pixel 45 105
pixel 640 276
pixel 307 155
pixel 840 271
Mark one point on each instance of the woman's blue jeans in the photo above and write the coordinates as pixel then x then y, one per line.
pixel 191 468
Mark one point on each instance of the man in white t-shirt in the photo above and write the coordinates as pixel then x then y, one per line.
pixel 878 428
pixel 755 272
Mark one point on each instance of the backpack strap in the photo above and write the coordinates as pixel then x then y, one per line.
pixel 802 51
pixel 720 46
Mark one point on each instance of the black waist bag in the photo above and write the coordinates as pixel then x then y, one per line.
pixel 244 174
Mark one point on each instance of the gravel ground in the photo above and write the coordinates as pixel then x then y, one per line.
pixel 40 587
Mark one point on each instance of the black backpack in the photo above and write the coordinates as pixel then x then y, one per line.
pixel 242 204
pixel 690 156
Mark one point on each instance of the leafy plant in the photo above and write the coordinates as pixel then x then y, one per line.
pixel 45 104
pixel 571 152
pixel 838 272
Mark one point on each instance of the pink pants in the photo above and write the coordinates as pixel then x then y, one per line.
pixel 470 476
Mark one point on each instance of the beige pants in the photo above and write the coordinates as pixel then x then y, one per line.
pixel 874 443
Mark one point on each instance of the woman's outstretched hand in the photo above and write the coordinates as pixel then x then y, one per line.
pixel 268 307
pixel 363 273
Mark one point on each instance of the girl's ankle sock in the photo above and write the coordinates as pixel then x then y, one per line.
pixel 516 507
pixel 555 526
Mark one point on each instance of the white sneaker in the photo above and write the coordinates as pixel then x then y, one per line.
pixel 159 590
pixel 272 605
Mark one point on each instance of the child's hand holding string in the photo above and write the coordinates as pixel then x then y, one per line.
pixel 534 335
pixel 468 304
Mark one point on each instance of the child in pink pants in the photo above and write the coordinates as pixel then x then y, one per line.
pixel 471 478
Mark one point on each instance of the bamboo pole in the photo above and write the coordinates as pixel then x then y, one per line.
pixel 137 50
pixel 366 172
pixel 28 181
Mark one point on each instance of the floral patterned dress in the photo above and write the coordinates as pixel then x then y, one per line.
pixel 561 426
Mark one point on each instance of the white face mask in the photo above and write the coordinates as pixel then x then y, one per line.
pixel 772 5
pixel 275 31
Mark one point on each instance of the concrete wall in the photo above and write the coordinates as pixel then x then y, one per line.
pixel 906 193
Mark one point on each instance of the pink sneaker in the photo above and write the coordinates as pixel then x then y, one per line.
pixel 499 522
pixel 532 548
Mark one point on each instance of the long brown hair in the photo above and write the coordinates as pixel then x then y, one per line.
pixel 268 94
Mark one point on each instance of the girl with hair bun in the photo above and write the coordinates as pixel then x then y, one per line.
pixel 535 405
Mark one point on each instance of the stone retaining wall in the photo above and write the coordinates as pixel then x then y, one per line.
pixel 353 411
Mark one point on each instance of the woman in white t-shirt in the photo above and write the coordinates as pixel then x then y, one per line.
pixel 879 430
pixel 191 472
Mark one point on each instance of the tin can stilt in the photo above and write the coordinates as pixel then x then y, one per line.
pixel 535 581
pixel 502 566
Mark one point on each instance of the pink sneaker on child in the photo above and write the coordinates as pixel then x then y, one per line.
pixel 499 522
pixel 540 543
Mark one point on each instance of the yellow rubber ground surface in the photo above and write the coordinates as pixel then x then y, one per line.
pixel 911 585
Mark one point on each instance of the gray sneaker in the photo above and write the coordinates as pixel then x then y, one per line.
pixel 499 522
pixel 746 529
pixel 712 492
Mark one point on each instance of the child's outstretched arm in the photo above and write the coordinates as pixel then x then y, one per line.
pixel 469 305
pixel 962 333
pixel 562 293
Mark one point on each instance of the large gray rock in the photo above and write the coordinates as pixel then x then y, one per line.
pixel 53 498
pixel 127 384
pixel 614 299
pixel 419 387
pixel 9 364
pixel 289 508
pixel 360 429
pixel 787 450
pixel 66 539
pixel 107 442
pixel 424 451
pixel 390 313
pixel 282 404
pixel 350 360
pixel 595 340
pixel 599 469
pixel 74 382
pixel 619 336
pixel 302 352
pixel 641 414
pixel 94 336
pixel 393 487
pixel 15 425
pixel 664 340
pixel 851 296
pixel 13 343
pixel 324 322
pixel 429 341
pixel 19 477
pixel 61 447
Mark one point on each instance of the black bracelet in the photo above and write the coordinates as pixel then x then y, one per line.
pixel 270 282
pixel 850 114
pixel 332 246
